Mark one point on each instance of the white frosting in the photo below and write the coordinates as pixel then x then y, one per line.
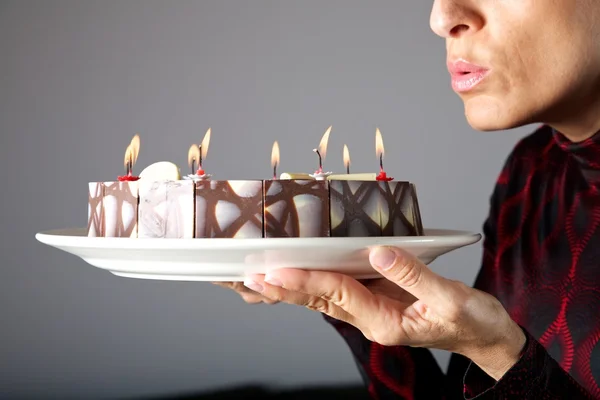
pixel 180 200
pixel 308 208
pixel 246 188
pixel 226 214
pixel 336 213
pixel 196 178
pixel 274 188
pixel 129 216
pixel 321 176
pixel 160 171
pixel 152 209
pixel 249 230
pixel 200 216
pixel 110 216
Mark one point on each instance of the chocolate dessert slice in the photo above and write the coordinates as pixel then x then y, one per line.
pixel 296 208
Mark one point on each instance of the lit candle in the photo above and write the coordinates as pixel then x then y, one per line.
pixel 131 155
pixel 321 152
pixel 193 157
pixel 346 157
pixel 198 154
pixel 379 149
pixel 348 176
pixel 275 158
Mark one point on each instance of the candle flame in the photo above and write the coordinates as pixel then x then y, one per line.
pixel 323 145
pixel 379 144
pixel 205 143
pixel 346 157
pixel 127 159
pixel 132 151
pixel 193 154
pixel 135 148
pixel 275 155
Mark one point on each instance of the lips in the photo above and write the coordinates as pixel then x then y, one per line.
pixel 465 75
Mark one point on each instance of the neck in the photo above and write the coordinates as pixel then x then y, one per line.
pixel 581 119
pixel 577 132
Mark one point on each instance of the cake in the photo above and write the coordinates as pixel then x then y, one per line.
pixel 179 208
pixel 160 203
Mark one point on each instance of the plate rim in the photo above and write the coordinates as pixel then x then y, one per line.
pixel 61 237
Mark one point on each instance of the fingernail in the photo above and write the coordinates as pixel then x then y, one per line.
pixel 383 258
pixel 253 285
pixel 273 281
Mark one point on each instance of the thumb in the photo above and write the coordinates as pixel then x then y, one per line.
pixel 412 275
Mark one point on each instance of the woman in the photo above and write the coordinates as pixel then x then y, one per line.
pixel 529 327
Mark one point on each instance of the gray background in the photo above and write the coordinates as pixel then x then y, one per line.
pixel 79 78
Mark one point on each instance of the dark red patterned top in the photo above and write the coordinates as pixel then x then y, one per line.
pixel 542 261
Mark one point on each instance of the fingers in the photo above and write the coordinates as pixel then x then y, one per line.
pixel 340 290
pixel 408 272
pixel 272 289
pixel 249 296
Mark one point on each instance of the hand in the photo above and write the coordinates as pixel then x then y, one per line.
pixel 415 308
pixel 250 296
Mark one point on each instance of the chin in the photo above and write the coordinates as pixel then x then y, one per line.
pixel 490 115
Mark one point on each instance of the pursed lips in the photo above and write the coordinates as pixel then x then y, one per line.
pixel 465 75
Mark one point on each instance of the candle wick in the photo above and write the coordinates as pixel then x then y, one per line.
pixel 193 166
pixel 381 161
pixel 348 168
pixel 200 158
pixel 275 171
pixel 320 160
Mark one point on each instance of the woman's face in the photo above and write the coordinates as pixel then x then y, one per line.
pixel 532 60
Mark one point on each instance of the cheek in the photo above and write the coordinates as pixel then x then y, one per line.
pixel 531 73
pixel 547 54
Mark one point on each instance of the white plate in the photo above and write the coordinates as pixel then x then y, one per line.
pixel 232 259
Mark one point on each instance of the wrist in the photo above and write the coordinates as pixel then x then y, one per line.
pixel 496 359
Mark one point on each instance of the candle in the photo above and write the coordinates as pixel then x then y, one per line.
pixel 321 152
pixel 379 149
pixel 203 151
pixel 131 154
pixel 346 158
pixel 197 154
pixel 193 157
pixel 348 176
pixel 275 158
pixel 296 205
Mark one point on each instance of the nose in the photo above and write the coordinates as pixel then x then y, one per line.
pixel 455 18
